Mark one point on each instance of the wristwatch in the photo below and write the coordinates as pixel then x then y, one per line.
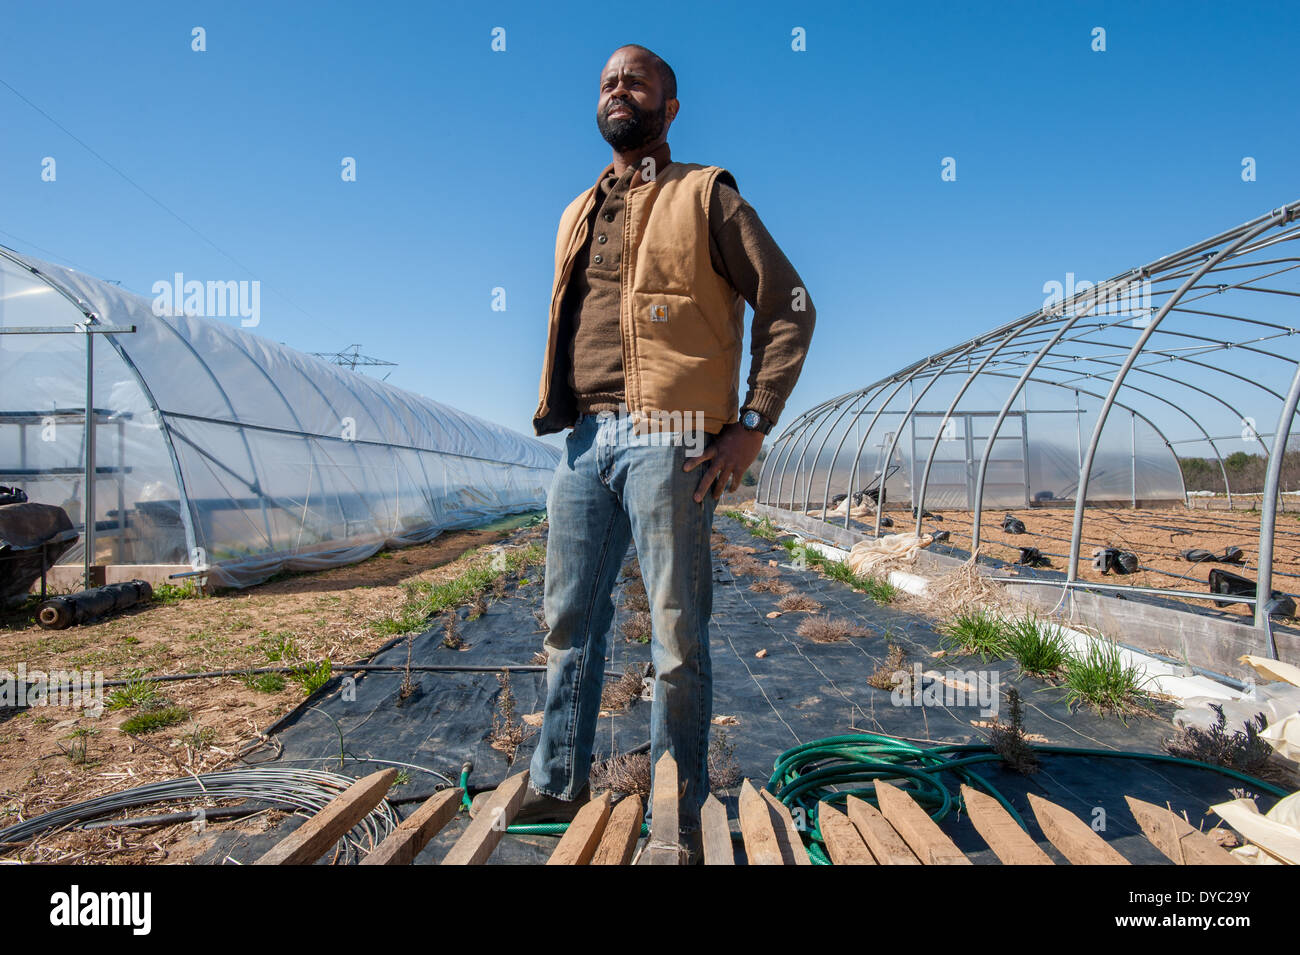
pixel 753 421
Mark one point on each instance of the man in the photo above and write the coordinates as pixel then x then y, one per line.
pixel 653 266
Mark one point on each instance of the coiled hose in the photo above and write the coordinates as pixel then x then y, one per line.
pixel 838 766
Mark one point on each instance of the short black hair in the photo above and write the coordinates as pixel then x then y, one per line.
pixel 666 75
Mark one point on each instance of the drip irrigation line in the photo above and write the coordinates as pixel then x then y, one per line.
pixel 339 668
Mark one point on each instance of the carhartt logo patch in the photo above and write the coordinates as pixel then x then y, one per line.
pixel 658 313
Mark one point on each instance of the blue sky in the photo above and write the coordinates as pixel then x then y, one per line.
pixel 1068 160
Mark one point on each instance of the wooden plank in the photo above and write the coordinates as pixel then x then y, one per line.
pixel 787 833
pixel 843 841
pixel 664 847
pixel 1072 836
pixel 885 844
pixel 621 833
pixel 579 842
pixel 1011 844
pixel 1176 838
pixel 414 832
pixel 314 837
pixel 761 845
pixel 486 829
pixel 916 827
pixel 716 833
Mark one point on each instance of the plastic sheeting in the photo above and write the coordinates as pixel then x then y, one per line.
pixel 223 450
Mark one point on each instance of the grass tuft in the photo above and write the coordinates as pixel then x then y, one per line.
pixel 1100 679
pixel 1038 645
pixel 976 633
pixel 150 721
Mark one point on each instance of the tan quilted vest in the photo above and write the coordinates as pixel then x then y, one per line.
pixel 682 323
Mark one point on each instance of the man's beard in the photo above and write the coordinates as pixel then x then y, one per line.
pixel 635 131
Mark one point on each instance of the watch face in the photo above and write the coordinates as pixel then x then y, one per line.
pixel 751 419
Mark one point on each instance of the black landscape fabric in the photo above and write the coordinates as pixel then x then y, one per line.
pixel 797 692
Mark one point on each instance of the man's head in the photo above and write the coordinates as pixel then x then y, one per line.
pixel 638 99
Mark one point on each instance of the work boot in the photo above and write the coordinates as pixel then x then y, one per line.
pixel 537 808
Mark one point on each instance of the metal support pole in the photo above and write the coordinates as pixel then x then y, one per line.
pixel 88 499
pixel 1133 460
pixel 1268 510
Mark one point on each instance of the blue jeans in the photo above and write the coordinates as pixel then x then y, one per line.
pixel 612 487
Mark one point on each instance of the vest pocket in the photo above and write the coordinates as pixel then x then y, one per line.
pixel 684 361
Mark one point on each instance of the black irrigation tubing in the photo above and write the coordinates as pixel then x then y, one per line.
pixel 342 668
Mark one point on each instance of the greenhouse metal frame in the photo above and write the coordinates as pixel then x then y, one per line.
pixel 219 450
pixel 1181 350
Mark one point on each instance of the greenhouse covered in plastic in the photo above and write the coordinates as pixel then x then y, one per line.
pixel 1169 387
pixel 217 449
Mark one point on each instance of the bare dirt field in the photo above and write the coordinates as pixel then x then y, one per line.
pixel 1155 535
pixel 53 756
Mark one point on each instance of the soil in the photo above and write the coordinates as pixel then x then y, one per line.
pixel 1155 535
pixel 305 617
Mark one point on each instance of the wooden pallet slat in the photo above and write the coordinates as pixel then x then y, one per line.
pixel 579 842
pixel 885 844
pixel 916 827
pixel 761 845
pixel 844 844
pixel 486 829
pixel 1072 836
pixel 414 832
pixel 314 837
pixel 664 847
pixel 621 833
pixel 1011 844
pixel 1176 838
pixel 716 833
pixel 793 851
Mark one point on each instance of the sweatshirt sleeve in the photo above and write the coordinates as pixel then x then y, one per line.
pixel 745 254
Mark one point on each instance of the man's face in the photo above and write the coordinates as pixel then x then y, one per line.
pixel 631 111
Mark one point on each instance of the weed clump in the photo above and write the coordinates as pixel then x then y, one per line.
pixel 1242 750
pixel 828 629
pixel 886 676
pixel 1008 739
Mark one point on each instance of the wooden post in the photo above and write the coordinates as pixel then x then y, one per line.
pixel 621 833
pixel 665 838
pixel 886 845
pixel 1072 836
pixel 414 832
pixel 916 827
pixel 1173 836
pixel 314 837
pixel 843 841
pixel 579 842
pixel 1011 844
pixel 486 829
pixel 761 845
pixel 787 833
pixel 716 833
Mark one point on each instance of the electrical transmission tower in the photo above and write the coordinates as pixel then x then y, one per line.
pixel 352 358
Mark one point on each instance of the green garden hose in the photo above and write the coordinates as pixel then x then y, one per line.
pixel 537 829
pixel 833 768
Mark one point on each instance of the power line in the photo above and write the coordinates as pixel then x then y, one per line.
pixel 148 195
